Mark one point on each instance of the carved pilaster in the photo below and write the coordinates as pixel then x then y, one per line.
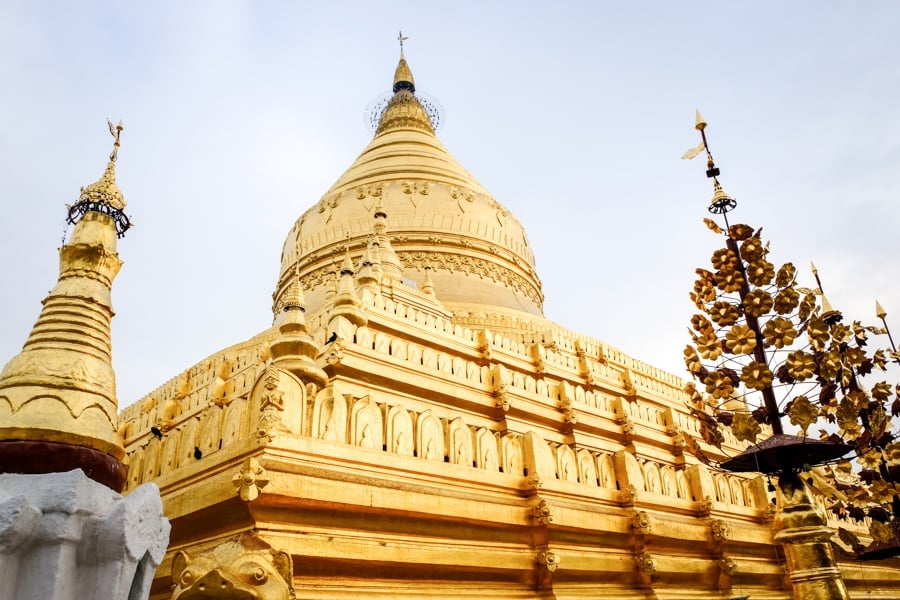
pixel 484 344
pixel 538 356
pixel 566 404
pixel 500 381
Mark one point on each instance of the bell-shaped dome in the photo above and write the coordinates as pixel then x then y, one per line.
pixel 439 220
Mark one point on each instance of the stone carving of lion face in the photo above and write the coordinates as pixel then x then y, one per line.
pixel 242 568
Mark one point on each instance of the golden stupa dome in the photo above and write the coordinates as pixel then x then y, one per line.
pixel 438 219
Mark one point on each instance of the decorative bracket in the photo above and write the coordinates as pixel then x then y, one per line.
pixel 549 559
pixel 642 523
pixel 646 564
pixel 250 480
pixel 541 513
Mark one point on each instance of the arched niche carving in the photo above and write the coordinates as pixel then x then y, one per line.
pixel 587 470
pixel 429 359
pixel 517 380
pixel 669 486
pixel 444 364
pixel 459 367
pixel 606 471
pixel 722 493
pixel 737 491
pixel 652 481
pixel 365 338
pixel 566 466
pixel 400 431
pixel 233 428
pixel 135 468
pixel 382 343
pixel 151 461
pixel 188 441
pixel 580 396
pixel 367 430
pixel 486 454
pixel 168 452
pixel 512 454
pixel 414 354
pixel 749 496
pixel 208 439
pixel 278 401
pixel 330 415
pixel 473 372
pixel 460 443
pixel 684 489
pixel 399 349
pixel 429 437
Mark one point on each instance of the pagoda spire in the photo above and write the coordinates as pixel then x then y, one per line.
pixel 294 349
pixel 390 262
pixel 403 77
pixel 58 405
pixel 346 314
pixel 404 110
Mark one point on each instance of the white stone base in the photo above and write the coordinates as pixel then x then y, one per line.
pixel 66 537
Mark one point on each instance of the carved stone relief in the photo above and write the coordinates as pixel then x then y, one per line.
pixel 366 423
pixel 400 431
pixel 242 567
pixel 460 443
pixel 430 437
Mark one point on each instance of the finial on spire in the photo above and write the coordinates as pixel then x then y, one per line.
pixel 403 78
pixel 104 195
pixel 721 202
pixel 700 121
pixel 116 132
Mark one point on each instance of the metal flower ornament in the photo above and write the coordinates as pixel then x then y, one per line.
pixel 765 349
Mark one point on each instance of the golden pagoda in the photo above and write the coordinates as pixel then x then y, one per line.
pixel 58 405
pixel 412 426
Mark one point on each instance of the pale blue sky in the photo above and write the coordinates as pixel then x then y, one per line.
pixel 238 116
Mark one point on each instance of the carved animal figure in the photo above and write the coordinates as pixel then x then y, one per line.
pixel 241 568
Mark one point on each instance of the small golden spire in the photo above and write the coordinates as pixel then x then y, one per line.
pixel 105 191
pixel 428 283
pixel 879 310
pixel 294 299
pixel 403 77
pixel 347 264
pixel 813 268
